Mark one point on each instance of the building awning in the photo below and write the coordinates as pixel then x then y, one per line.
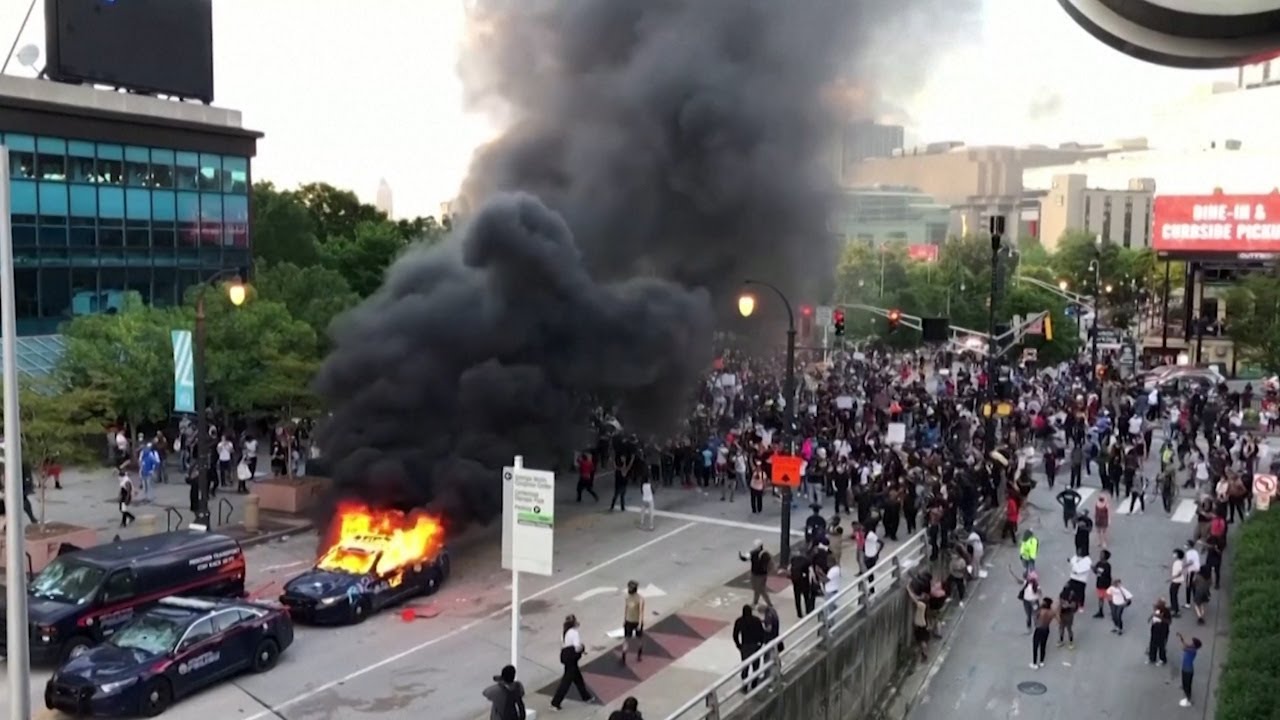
pixel 38 355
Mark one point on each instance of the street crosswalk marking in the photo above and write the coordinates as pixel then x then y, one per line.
pixel 1085 494
pixel 1185 513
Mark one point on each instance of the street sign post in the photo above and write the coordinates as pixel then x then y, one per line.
pixel 528 532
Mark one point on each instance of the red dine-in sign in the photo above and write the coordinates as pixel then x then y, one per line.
pixel 1240 224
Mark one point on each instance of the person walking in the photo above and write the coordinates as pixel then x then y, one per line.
pixel 571 652
pixel 1040 638
pixel 587 476
pixel 1069 499
pixel 757 488
pixel 1028 551
pixel 1067 609
pixel 1121 598
pixel 1157 646
pixel 624 459
pixel 506 696
pixel 1177 575
pixel 1081 567
pixel 1102 572
pixel 1189 650
pixel 760 561
pixel 1030 596
pixel 126 498
pixel 633 621
pixel 646 505
pixel 801 583
pixel 748 636
pixel 1102 519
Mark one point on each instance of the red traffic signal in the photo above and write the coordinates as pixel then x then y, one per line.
pixel 895 318
pixel 806 310
pixel 837 321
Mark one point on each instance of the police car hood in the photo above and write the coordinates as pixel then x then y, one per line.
pixel 107 663
pixel 319 584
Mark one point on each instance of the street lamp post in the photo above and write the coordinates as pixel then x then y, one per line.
pixel 204 449
pixel 990 431
pixel 1097 310
pixel 746 306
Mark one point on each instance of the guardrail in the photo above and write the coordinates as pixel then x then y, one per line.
pixel 766 669
pixel 225 509
pixel 172 518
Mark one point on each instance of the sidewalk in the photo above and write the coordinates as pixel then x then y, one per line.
pixel 90 498
pixel 685 651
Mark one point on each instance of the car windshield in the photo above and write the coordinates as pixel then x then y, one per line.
pixel 66 580
pixel 150 633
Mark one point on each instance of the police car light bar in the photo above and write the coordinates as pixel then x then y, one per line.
pixel 189 603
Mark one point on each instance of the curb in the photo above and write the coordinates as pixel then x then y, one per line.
pixel 263 538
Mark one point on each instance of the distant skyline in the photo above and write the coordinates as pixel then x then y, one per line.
pixel 383 100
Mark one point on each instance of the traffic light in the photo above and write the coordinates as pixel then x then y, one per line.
pixel 1048 328
pixel 837 320
pixel 806 320
pixel 895 319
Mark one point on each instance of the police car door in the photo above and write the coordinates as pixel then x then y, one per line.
pixel 200 659
pixel 238 643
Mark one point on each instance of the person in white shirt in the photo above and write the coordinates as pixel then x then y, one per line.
pixel 646 505
pixel 1177 574
pixel 225 449
pixel 871 553
pixel 1135 427
pixel 1081 569
pixel 830 588
pixel 1120 598
pixel 571 651
pixel 1191 566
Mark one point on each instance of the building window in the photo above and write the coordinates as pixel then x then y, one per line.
pixel 210 172
pixel 1106 219
pixel 55 293
pixel 22 156
pixel 1146 224
pixel 236 216
pixel 235 174
pixel 1128 221
pixel 187 170
pixel 110 164
pixel 1088 208
pixel 81 162
pixel 162 168
pixel 137 166
pixel 188 214
pixel 51 159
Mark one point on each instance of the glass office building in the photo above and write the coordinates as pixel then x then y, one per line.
pixel 112 193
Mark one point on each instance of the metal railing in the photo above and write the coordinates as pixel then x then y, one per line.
pixel 766 670
pixel 225 510
pixel 172 519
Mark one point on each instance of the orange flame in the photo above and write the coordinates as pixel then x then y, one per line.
pixel 383 542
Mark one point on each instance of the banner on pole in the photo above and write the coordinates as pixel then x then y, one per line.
pixel 184 375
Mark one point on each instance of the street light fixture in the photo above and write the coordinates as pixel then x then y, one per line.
pixel 237 294
pixel 746 306
pixel 1107 289
pixel 1063 285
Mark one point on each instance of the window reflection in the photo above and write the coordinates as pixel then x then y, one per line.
pixel 110 166
pixel 187 170
pixel 137 166
pixel 162 168
pixel 22 165
pixel 210 172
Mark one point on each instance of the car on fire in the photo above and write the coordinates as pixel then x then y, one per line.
pixel 377 559
pixel 179 646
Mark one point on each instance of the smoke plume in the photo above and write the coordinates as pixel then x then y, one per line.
pixel 663 145
pixel 492 345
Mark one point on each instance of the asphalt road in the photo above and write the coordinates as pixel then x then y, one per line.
pixel 388 669
pixel 981 673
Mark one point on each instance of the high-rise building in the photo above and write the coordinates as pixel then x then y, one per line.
pixel 385 201
pixel 1122 217
pixel 864 140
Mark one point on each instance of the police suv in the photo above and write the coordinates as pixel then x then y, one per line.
pixel 176 648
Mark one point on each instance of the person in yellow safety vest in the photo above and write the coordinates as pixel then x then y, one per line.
pixel 1030 548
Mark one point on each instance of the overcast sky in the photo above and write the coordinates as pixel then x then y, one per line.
pixel 352 92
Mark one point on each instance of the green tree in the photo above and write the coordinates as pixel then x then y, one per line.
pixel 363 258
pixel 314 295
pixel 60 424
pixel 336 213
pixel 258 355
pixel 283 227
pixel 1253 322
pixel 126 357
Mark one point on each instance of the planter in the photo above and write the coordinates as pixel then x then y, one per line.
pixel 44 541
pixel 295 496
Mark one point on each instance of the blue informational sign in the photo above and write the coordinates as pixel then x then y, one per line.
pixel 184 374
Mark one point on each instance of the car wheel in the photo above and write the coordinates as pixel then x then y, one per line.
pixel 265 657
pixel 75 647
pixel 444 568
pixel 432 584
pixel 157 696
pixel 359 612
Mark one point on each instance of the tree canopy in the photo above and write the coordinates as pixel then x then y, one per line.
pixel 1254 326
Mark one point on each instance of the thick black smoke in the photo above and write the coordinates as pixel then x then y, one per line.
pixel 684 141
pixel 492 345
pixel 689 139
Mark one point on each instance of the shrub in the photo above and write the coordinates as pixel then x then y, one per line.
pixel 1250 683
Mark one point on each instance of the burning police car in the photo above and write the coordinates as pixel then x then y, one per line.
pixel 170 651
pixel 375 558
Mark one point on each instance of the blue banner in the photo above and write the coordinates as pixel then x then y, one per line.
pixel 184 375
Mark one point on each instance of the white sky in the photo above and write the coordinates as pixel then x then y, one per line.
pixel 352 92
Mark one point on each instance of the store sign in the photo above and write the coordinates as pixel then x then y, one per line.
pixel 1243 225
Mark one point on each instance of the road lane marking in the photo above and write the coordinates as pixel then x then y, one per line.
pixel 1185 513
pixel 602 590
pixel 1085 494
pixel 273 711
pixel 688 517
pixel 270 568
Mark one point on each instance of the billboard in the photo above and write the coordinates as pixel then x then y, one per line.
pixel 1244 226
pixel 150 46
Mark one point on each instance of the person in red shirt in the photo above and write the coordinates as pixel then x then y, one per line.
pixel 586 476
pixel 1010 520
